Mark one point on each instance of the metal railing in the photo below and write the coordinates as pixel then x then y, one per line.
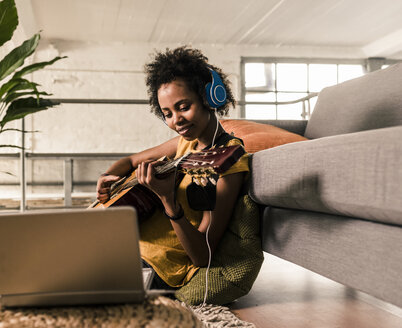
pixel 68 158
pixel 68 173
pixel 306 106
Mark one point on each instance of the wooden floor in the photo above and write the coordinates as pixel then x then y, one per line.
pixel 288 296
pixel 46 202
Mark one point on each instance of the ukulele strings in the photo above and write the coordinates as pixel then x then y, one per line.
pixel 170 166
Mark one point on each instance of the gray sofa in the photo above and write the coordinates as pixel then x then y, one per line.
pixel 333 204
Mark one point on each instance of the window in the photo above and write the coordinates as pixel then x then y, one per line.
pixel 282 83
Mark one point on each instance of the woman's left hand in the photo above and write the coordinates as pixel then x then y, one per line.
pixel 163 187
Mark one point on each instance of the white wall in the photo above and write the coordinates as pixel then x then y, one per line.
pixel 114 71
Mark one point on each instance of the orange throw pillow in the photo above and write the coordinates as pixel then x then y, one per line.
pixel 259 136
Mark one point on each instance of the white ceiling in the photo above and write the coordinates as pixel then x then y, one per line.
pixel 372 25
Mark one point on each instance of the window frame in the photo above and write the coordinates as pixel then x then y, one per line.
pixel 368 64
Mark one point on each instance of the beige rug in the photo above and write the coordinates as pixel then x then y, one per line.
pixel 156 312
pixel 213 316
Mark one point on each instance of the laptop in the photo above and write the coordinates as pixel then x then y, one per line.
pixel 71 257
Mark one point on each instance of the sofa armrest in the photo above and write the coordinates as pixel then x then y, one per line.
pixel 357 174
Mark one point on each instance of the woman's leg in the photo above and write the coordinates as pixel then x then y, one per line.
pixel 157 282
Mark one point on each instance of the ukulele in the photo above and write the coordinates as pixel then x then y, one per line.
pixel 204 167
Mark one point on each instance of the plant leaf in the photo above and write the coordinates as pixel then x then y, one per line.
pixel 15 95
pixel 16 85
pixel 35 67
pixel 17 56
pixel 11 146
pixel 6 87
pixel 24 106
pixel 8 20
pixel 19 130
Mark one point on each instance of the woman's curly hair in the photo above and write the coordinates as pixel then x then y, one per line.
pixel 187 64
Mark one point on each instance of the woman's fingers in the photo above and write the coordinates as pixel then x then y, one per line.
pixel 146 176
pixel 103 198
pixel 139 173
pixel 103 187
pixel 145 172
pixel 150 172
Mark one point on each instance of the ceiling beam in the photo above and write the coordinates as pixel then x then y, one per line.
pixel 260 21
pixel 386 46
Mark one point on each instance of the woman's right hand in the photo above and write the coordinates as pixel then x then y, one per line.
pixel 103 187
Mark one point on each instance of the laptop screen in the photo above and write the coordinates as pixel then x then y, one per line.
pixel 70 251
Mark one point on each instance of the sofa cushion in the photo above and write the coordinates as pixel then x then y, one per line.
pixel 369 102
pixel 259 136
pixel 356 174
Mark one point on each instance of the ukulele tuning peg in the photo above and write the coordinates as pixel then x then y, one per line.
pixel 204 181
pixel 212 180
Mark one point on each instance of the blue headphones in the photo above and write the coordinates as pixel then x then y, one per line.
pixel 215 91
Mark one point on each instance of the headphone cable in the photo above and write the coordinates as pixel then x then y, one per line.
pixel 209 225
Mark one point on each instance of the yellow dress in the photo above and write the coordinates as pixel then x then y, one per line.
pixel 159 244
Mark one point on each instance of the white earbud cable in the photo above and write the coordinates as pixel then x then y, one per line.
pixel 209 260
pixel 216 129
pixel 209 225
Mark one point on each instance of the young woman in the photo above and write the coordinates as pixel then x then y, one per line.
pixel 177 240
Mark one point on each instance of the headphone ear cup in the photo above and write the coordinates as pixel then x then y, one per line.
pixel 215 91
pixel 208 94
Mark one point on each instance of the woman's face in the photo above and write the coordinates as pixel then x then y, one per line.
pixel 183 110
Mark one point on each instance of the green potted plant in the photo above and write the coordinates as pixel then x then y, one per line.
pixel 18 95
